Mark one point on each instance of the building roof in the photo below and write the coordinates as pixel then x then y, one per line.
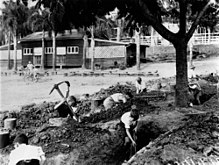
pixel 37 36
pixel 5 47
pixel 118 42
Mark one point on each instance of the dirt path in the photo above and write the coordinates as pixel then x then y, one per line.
pixel 15 92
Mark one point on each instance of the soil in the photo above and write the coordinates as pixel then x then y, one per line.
pixel 99 140
pixel 196 140
pixel 166 134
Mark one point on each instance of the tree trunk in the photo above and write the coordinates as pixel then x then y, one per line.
pixel 43 51
pixel 209 35
pixel 152 37
pixel 137 41
pixel 15 51
pixel 54 51
pixel 85 51
pixel 118 37
pixel 181 99
pixel 191 42
pixel 9 50
pixel 92 48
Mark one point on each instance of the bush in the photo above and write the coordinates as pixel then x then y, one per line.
pixel 122 66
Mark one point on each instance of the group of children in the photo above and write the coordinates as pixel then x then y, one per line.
pixel 27 154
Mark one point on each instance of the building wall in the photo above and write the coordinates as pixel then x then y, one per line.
pixel 4 58
pixel 105 63
pixel 4 64
pixel 106 55
pixel 70 59
pixel 4 54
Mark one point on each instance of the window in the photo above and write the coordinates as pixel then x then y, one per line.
pixel 48 50
pixel 27 51
pixel 60 59
pixel 60 50
pixel 37 60
pixel 72 50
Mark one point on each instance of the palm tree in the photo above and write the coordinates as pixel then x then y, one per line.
pixel 92 47
pixel 14 16
pixel 85 47
pixel 7 38
pixel 57 11
pixel 39 21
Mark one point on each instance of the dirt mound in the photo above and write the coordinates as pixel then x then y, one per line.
pixel 94 145
pixel 196 139
pixel 85 106
pixel 118 88
pixel 211 78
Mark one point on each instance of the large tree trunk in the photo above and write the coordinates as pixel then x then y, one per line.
pixel 54 50
pixel 85 51
pixel 15 51
pixel 43 51
pixel 9 50
pixel 181 74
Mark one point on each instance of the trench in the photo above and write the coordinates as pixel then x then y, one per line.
pixel 92 145
pixel 205 97
pixel 147 132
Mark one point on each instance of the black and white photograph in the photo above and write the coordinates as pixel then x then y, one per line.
pixel 109 82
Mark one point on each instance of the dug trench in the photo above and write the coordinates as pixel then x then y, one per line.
pixel 98 139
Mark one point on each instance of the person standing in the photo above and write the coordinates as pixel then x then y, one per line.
pixel 128 122
pixel 30 69
pixel 30 66
pixel 25 154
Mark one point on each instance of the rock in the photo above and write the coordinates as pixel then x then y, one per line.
pixel 58 122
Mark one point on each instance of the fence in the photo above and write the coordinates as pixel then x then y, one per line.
pixel 206 38
pixel 198 39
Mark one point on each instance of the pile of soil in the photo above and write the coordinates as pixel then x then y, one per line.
pixel 196 139
pixel 88 143
pixel 84 107
pixel 91 142
pixel 211 78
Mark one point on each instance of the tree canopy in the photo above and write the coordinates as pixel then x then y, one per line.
pixel 80 13
pixel 14 17
pixel 83 13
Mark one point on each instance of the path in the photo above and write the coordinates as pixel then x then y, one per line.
pixel 15 92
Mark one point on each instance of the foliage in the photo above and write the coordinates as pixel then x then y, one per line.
pixel 104 28
pixel 39 20
pixel 14 16
pixel 83 13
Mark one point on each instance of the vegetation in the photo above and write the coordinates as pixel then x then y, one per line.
pixel 39 21
pixel 68 14
pixel 148 12
pixel 14 21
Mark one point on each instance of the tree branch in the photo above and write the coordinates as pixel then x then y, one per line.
pixel 157 25
pixel 197 20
